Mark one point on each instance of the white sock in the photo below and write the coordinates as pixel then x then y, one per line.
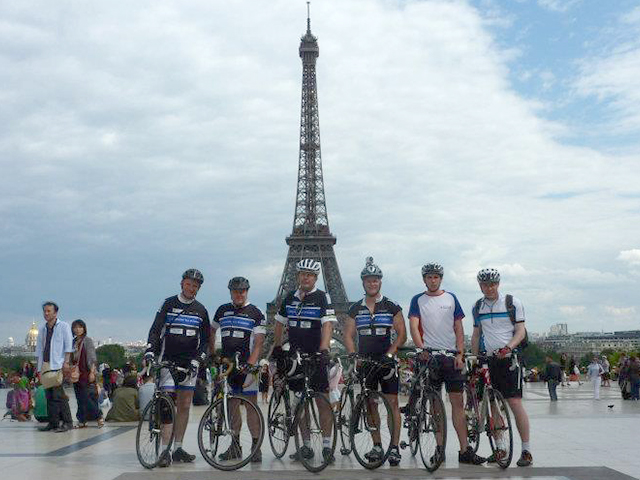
pixel 306 443
pixel 177 445
pixel 525 446
pixel 326 441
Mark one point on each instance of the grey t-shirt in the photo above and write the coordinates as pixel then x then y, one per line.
pixel 145 394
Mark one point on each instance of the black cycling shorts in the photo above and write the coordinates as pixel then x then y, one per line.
pixel 443 371
pixel 507 381
pixel 318 381
pixel 389 385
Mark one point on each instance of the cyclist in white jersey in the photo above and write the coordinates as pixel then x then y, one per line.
pixel 502 336
pixel 435 318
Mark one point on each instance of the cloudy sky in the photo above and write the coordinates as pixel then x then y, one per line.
pixel 140 139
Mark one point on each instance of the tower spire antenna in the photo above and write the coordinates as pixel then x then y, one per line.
pixel 308 17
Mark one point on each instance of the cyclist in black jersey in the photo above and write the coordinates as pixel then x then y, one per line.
pixel 180 333
pixel 309 319
pixel 242 329
pixel 374 318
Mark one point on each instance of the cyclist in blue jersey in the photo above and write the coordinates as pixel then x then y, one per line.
pixel 374 318
pixel 435 318
pixel 306 314
pixel 242 329
pixel 180 334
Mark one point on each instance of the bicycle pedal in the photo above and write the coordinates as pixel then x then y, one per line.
pixel 403 445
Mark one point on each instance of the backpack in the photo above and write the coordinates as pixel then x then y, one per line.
pixel 511 310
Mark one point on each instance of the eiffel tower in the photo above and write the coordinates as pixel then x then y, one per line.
pixel 311 237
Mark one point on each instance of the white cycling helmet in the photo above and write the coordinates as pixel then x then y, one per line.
pixel 489 275
pixel 308 265
pixel 370 269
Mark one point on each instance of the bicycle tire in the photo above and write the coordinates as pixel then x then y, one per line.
pixel 214 434
pixel 309 404
pixel 472 418
pixel 278 423
pixel 160 410
pixel 362 426
pixel 343 420
pixel 495 432
pixel 414 421
pixel 432 430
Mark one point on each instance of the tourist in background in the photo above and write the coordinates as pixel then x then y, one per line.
pixel 53 349
pixel 265 379
pixel 84 357
pixel 125 400
pixel 634 376
pixel 606 366
pixel 553 376
pixel 594 371
pixel 146 390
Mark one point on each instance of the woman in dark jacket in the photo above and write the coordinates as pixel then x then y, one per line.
pixel 84 355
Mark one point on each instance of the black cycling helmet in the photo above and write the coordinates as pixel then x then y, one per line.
pixel 433 268
pixel 193 274
pixel 238 283
pixel 370 269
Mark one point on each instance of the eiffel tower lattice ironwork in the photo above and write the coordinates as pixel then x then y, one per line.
pixel 311 237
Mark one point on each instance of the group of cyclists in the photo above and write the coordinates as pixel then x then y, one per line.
pixel 183 333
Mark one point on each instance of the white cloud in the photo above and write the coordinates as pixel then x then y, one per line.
pixel 632 257
pixel 613 74
pixel 620 311
pixel 166 136
pixel 573 310
pixel 558 5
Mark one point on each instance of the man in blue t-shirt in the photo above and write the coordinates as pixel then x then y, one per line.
pixel 435 318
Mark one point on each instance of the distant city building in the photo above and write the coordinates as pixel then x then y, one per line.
pixel 32 337
pixel 559 329
pixel 10 342
pixel 584 343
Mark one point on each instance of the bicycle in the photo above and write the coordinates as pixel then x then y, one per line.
pixel 305 421
pixel 345 407
pixel 425 415
pixel 371 420
pixel 159 413
pixel 491 415
pixel 220 428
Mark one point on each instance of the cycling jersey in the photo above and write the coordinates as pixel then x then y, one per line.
pixel 305 318
pixel 180 331
pixel 374 331
pixel 493 318
pixel 238 327
pixel 437 313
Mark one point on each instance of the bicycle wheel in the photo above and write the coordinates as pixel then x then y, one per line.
pixel 312 414
pixel 344 418
pixel 229 437
pixel 371 431
pixel 160 411
pixel 499 428
pixel 413 428
pixel 432 430
pixel 472 417
pixel 278 422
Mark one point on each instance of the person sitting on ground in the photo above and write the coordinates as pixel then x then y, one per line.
pixel 20 401
pixel 125 406
pixel 146 391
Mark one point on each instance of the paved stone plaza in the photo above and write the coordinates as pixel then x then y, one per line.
pixel 576 438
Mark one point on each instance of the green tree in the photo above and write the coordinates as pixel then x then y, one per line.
pixel 111 354
pixel 13 364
